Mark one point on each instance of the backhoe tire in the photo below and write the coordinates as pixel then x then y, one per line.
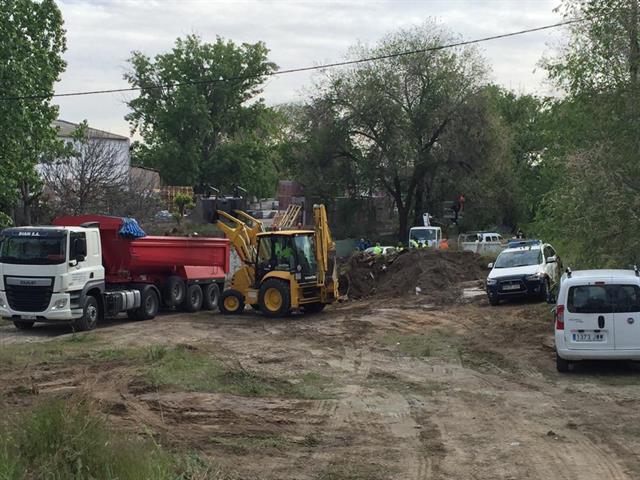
pixel 149 305
pixel 313 307
pixel 174 291
pixel 274 298
pixel 23 325
pixel 231 302
pixel 193 300
pixel 210 296
pixel 90 315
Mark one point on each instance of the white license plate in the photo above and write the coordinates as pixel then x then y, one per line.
pixel 588 337
pixel 511 287
pixel 28 317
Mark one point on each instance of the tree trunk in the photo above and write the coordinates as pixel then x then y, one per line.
pixel 418 209
pixel 26 203
pixel 403 222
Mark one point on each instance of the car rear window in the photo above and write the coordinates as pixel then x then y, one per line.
pixel 604 299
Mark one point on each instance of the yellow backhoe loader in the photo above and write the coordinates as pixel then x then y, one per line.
pixel 282 270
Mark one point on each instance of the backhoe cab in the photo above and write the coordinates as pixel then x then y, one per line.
pixel 283 270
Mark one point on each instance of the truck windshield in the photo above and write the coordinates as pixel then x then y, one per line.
pixel 33 250
pixel 422 234
pixel 519 258
pixel 306 251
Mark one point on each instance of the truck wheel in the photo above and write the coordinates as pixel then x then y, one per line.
pixel 313 307
pixel 231 302
pixel 174 292
pixel 90 315
pixel 494 301
pixel 210 297
pixel 193 300
pixel 149 305
pixel 23 325
pixel 562 365
pixel 274 298
pixel 545 290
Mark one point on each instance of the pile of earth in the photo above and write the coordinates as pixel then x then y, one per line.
pixel 434 274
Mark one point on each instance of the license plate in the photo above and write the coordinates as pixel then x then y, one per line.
pixel 588 337
pixel 511 287
pixel 28 317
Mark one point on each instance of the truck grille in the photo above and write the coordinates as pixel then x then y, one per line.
pixel 28 299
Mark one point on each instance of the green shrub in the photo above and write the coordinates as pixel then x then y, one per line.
pixel 61 440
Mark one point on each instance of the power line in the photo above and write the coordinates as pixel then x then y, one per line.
pixel 296 70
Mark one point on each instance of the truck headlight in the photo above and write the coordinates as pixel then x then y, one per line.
pixel 3 301
pixel 491 281
pixel 534 278
pixel 61 303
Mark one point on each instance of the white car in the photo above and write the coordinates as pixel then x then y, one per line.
pixel 528 270
pixel 597 316
pixel 385 250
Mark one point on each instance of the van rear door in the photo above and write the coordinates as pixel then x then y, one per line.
pixel 589 318
pixel 626 316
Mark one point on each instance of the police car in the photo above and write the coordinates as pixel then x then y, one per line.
pixel 528 268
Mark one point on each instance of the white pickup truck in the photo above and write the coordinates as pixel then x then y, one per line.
pixel 483 243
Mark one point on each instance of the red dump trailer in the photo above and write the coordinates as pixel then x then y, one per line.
pixel 87 267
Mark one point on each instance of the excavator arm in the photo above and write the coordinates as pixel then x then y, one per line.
pixel 325 251
pixel 243 237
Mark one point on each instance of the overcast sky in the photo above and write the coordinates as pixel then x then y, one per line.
pixel 102 33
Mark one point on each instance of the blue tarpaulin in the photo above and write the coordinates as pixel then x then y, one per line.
pixel 131 229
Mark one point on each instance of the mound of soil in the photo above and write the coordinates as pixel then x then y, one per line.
pixel 432 273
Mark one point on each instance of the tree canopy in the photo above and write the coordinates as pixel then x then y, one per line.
pixel 200 112
pixel 32 42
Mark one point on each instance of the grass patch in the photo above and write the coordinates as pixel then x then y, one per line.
pixel 350 470
pixel 432 345
pixel 191 370
pixel 63 440
pixel 394 383
pixel 67 440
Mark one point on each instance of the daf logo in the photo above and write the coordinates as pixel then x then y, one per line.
pixel 28 282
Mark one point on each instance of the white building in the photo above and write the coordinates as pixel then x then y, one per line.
pixel 118 143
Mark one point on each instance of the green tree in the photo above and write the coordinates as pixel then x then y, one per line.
pixel 399 109
pixel 200 111
pixel 182 203
pixel 591 209
pixel 32 42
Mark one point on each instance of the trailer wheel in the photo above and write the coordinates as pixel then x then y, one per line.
pixel 174 292
pixel 210 297
pixel 274 298
pixel 23 325
pixel 90 314
pixel 193 300
pixel 231 302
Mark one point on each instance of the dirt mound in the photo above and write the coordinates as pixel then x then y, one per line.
pixel 432 273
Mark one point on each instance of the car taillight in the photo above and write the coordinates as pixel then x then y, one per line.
pixel 560 317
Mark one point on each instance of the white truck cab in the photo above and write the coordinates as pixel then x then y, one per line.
pixel 425 237
pixel 597 316
pixel 47 272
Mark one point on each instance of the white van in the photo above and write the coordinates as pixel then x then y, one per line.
pixel 597 316
pixel 425 237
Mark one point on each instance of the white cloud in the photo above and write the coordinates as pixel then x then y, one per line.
pixel 102 33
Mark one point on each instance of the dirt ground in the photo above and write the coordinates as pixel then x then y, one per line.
pixel 408 392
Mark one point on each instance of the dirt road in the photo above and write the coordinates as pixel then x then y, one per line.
pixel 373 391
